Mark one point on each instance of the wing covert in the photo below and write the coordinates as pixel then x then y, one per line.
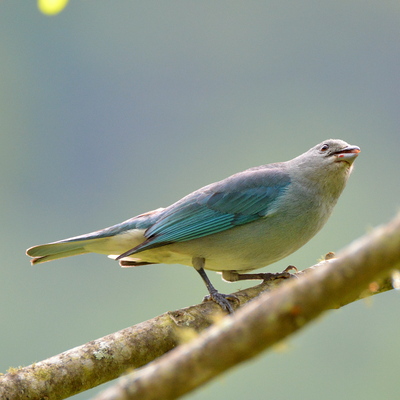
pixel 237 200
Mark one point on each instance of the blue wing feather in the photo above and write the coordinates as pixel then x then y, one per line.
pixel 237 200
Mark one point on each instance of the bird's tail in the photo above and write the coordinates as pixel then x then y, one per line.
pixel 61 249
pixel 115 240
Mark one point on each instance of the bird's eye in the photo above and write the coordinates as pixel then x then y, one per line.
pixel 324 147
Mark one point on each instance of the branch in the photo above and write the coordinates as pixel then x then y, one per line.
pixel 329 284
pixel 106 358
pixel 266 320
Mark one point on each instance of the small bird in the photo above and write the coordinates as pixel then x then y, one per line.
pixel 244 222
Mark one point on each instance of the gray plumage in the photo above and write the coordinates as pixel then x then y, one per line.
pixel 244 222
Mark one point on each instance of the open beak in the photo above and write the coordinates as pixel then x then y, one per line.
pixel 348 154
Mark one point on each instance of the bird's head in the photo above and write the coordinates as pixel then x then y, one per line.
pixel 326 165
pixel 336 151
pixel 333 154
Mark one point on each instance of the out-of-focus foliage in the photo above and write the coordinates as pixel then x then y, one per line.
pixel 52 7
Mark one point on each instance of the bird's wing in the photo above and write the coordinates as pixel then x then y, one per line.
pixel 237 200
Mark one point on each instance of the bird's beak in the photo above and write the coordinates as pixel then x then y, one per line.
pixel 348 154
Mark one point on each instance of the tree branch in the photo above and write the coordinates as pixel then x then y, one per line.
pixel 266 320
pixel 270 318
pixel 106 358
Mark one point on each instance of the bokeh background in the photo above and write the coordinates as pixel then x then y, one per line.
pixel 111 109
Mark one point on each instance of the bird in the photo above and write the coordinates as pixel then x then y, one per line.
pixel 245 222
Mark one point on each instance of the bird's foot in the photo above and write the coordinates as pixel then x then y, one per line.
pixel 234 276
pixel 223 300
pixel 285 274
pixel 271 276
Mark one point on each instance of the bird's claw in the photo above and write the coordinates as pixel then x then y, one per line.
pixel 223 300
pixel 285 274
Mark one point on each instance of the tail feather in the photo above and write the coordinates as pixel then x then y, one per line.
pixel 101 242
pixel 116 239
pixel 56 256
pixel 56 250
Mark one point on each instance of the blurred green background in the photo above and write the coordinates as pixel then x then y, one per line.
pixel 111 109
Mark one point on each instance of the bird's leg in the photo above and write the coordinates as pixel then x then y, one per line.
pixel 234 276
pixel 221 299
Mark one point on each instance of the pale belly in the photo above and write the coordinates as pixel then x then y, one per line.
pixel 246 247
